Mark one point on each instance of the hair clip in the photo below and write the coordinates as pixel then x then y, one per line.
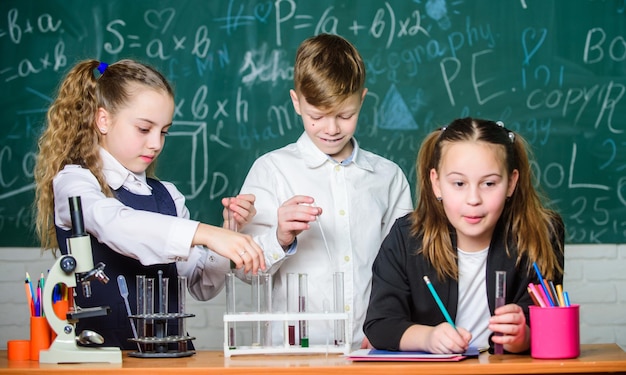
pixel 512 137
pixel 510 134
pixel 102 67
pixel 443 128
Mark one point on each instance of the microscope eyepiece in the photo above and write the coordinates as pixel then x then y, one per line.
pixel 76 213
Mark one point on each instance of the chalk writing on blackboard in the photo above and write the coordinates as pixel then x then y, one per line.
pixel 545 68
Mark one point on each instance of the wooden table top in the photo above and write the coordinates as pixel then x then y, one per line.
pixel 594 358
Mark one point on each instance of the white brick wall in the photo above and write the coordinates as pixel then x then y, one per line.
pixel 595 276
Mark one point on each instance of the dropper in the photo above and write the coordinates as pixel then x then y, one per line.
pixel 121 283
pixel 319 222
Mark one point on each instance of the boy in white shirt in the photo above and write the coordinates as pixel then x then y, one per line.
pixel 354 195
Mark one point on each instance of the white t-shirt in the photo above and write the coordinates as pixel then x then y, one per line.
pixel 473 309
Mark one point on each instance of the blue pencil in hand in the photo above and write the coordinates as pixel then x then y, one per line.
pixel 439 303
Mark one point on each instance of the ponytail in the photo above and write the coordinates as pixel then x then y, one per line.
pixel 70 137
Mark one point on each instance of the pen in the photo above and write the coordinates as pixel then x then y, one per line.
pixel 545 290
pixel 439 303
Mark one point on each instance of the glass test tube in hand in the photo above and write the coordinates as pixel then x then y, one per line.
pixel 339 307
pixel 231 299
pixel 302 302
pixel 232 223
pixel 500 301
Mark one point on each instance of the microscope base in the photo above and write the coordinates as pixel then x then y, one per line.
pixel 67 352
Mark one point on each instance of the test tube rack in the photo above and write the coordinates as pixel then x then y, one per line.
pixel 285 348
pixel 157 346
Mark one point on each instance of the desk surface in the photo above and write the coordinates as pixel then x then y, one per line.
pixel 594 358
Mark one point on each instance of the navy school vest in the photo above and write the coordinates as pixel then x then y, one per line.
pixel 115 327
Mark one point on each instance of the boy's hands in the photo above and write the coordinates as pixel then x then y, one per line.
pixel 294 216
pixel 242 208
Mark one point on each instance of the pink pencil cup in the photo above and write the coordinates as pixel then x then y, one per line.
pixel 554 332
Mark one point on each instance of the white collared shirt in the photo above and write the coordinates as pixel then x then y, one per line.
pixel 149 237
pixel 360 202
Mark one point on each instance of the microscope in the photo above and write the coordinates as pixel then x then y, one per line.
pixel 76 267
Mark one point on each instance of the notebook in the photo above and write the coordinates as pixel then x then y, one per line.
pixel 387 355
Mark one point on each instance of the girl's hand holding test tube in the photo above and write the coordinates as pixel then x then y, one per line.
pixel 238 211
pixel 240 248
pixel 510 321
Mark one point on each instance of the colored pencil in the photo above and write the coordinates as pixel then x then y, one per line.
pixel 566 299
pixel 543 287
pixel 29 297
pixel 535 295
pixel 559 291
pixel 553 293
pixel 439 303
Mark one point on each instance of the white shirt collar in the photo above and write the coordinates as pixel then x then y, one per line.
pixel 314 157
pixel 117 176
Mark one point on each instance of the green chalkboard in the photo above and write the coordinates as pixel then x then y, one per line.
pixel 554 71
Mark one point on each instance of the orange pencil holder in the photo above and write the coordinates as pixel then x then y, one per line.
pixel 39 336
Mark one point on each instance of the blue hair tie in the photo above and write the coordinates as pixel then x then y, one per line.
pixel 102 67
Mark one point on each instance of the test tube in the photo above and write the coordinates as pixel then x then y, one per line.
pixel 302 302
pixel 500 301
pixel 266 307
pixel 339 307
pixel 230 308
pixel 164 297
pixel 149 300
pixel 256 307
pixel 141 305
pixel 292 305
pixel 261 301
pixel 160 325
pixel 182 302
pixel 232 223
